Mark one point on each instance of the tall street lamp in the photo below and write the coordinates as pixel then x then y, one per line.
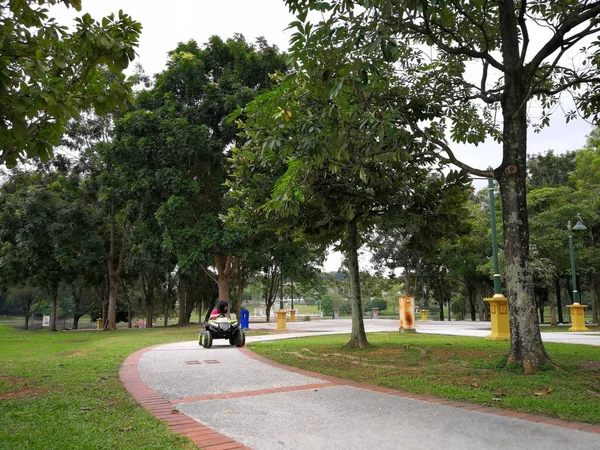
pixel 498 303
pixel 579 226
pixel 577 310
pixel 281 285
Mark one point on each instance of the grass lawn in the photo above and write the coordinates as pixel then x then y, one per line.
pixel 456 368
pixel 565 328
pixel 62 390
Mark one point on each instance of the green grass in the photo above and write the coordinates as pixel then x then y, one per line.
pixel 565 328
pixel 456 368
pixel 62 390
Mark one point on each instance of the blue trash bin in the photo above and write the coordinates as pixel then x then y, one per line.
pixel 245 319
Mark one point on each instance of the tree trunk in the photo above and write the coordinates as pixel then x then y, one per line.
pixel 182 293
pixel 111 320
pixel 552 303
pixel 358 338
pixel 595 285
pixel 224 265
pixel 76 318
pixel 149 314
pixel 558 299
pixel 166 321
pixel 526 347
pixel 52 291
pixel 472 304
pixel 271 284
pixel 27 316
pixel 240 292
pixel 114 274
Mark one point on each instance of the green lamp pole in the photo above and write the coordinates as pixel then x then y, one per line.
pixel 498 303
pixel 497 278
pixel 579 226
pixel 281 293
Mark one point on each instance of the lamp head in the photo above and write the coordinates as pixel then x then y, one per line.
pixel 579 226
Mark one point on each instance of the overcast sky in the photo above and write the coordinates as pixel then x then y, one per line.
pixel 167 23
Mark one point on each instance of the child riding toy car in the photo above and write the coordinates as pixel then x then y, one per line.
pixel 219 326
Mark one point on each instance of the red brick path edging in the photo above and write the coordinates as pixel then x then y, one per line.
pixel 203 436
pixel 206 438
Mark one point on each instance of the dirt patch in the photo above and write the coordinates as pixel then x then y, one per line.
pixel 590 365
pixel 12 380
pixel 23 393
pixel 443 353
pixel 22 390
pixel 73 353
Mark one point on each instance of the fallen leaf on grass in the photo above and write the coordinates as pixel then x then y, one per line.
pixel 543 391
pixel 126 429
pixel 175 411
pixel 496 399
pixel 475 385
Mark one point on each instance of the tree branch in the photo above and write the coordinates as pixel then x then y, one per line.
pixel 453 160
pixel 523 25
pixel 557 39
pixel 453 50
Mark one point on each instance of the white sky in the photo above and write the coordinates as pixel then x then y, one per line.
pixel 167 23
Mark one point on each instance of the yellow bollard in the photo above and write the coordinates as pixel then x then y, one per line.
pixel 499 316
pixel 281 320
pixel 424 313
pixel 577 317
pixel 100 324
pixel 292 315
pixel 407 314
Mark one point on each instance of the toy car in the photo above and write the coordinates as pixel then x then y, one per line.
pixel 222 328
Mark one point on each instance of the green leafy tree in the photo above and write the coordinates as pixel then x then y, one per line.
pixel 314 153
pixel 172 151
pixel 437 46
pixel 550 170
pixel 49 236
pixel 48 75
pixel 27 298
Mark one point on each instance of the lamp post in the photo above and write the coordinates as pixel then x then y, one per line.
pixel 281 292
pixel 498 303
pixel 579 226
pixel 497 283
pixel 577 310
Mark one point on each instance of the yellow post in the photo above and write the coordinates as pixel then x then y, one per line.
pixel 100 324
pixel 577 317
pixel 499 316
pixel 281 320
pixel 424 313
pixel 407 314
pixel 292 315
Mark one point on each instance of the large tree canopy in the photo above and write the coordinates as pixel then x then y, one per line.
pixel 439 47
pixel 172 148
pixel 320 160
pixel 49 75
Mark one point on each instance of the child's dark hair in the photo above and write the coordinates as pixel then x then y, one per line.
pixel 222 306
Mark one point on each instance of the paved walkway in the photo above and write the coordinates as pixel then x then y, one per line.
pixel 229 398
